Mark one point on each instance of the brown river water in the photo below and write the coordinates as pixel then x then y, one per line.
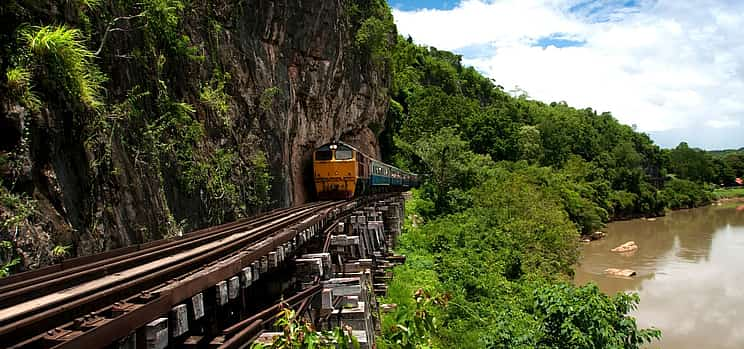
pixel 690 274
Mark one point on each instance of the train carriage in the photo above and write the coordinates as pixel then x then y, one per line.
pixel 343 172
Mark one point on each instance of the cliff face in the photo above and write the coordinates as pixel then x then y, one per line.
pixel 210 112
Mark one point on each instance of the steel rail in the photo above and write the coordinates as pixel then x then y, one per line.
pixel 35 287
pixel 67 264
pixel 72 304
pixel 161 299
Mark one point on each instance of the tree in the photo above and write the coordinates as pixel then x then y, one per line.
pixel 690 163
pixel 529 144
pixel 452 167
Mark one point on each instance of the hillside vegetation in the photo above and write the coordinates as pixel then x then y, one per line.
pixel 510 183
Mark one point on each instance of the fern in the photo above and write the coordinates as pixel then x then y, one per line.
pixel 5 269
pixel 19 83
pixel 61 49
pixel 61 251
pixel 18 78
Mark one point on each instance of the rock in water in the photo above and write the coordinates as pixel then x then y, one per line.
pixel 597 235
pixel 626 247
pixel 620 272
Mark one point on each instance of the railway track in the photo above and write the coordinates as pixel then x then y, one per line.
pixel 251 327
pixel 91 301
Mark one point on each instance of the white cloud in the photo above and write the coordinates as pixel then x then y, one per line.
pixel 661 65
pixel 722 123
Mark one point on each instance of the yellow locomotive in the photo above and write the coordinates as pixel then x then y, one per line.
pixel 343 172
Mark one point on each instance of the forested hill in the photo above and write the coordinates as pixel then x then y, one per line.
pixel 604 169
pixel 509 183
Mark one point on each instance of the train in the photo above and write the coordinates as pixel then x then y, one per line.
pixel 344 172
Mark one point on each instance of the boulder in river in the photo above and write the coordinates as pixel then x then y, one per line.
pixel 597 235
pixel 620 272
pixel 626 247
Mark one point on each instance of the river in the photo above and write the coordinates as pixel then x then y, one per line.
pixel 690 274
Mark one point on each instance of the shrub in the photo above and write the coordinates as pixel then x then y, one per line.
pixel 681 193
pixel 584 317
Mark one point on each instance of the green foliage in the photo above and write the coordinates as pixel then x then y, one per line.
pixel 374 29
pixel 623 171
pixel 499 236
pixel 229 184
pixel 163 21
pixel 529 144
pixel 19 80
pixel 174 131
pixel 215 98
pixel 61 251
pixel 6 249
pixel 728 193
pixel 499 259
pixel 690 163
pixel 6 268
pixel 373 37
pixel 88 4
pixel 584 317
pixel 681 193
pixel 62 51
pixel 413 327
pixel 453 169
pixel 298 335
pixel 16 208
pixel 267 98
pixel 259 185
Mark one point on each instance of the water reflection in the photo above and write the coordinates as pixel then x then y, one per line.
pixel 690 275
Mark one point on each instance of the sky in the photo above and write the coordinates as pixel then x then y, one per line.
pixel 672 68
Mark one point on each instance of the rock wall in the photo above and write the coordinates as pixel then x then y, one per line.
pixel 295 79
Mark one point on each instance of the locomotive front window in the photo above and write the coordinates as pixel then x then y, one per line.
pixel 323 154
pixel 344 153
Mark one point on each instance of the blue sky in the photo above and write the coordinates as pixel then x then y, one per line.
pixel 408 5
pixel 673 68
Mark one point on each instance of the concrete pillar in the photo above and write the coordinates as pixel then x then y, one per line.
pixel 221 293
pixel 282 251
pixel 179 320
pixel 273 260
pixel 264 262
pixel 156 333
pixel 256 270
pixel 326 257
pixel 246 277
pixel 327 299
pixel 197 303
pixel 309 268
pixel 233 286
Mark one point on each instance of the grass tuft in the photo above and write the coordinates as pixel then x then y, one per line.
pixel 63 52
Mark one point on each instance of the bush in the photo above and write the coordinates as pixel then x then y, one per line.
pixel 681 193
pixel 583 317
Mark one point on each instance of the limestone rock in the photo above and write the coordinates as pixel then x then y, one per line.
pixel 626 247
pixel 620 272
pixel 296 81
pixel 597 235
